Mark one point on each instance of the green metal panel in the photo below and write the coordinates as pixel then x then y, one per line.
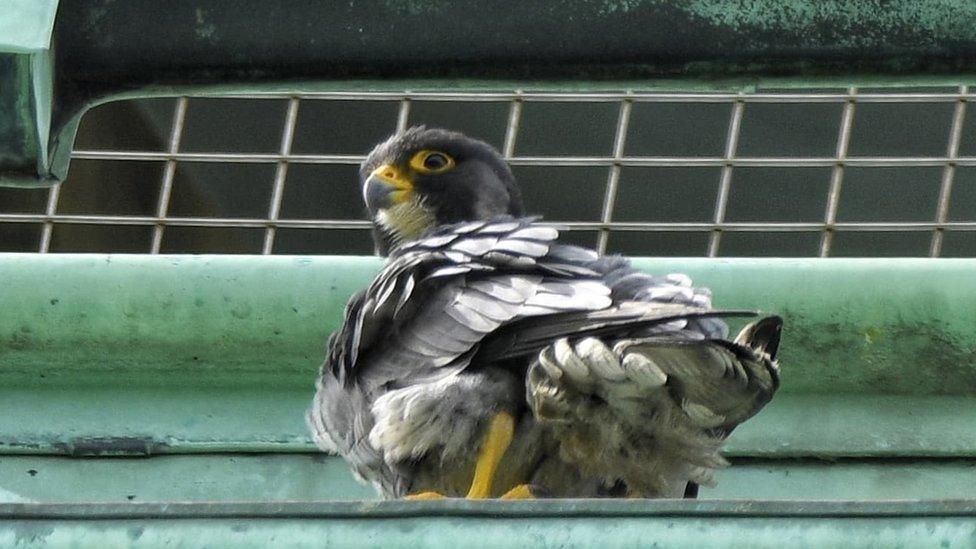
pixel 26 25
pixel 494 524
pixel 210 360
pixel 110 420
pixel 106 50
pixel 317 477
pixel 145 355
pixel 204 477
pixel 26 92
pixel 883 326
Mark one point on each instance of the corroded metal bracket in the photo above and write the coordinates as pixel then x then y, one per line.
pixel 26 95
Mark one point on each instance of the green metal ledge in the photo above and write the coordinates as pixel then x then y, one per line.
pixel 187 378
pixel 878 326
pixel 315 477
pixel 145 355
pixel 494 524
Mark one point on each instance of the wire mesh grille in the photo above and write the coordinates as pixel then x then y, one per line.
pixel 606 181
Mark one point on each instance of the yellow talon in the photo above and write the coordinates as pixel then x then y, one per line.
pixel 522 491
pixel 499 436
pixel 425 495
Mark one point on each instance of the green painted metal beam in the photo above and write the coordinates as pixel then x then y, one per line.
pixel 880 326
pixel 123 355
pixel 126 420
pixel 204 477
pixel 493 524
pixel 316 477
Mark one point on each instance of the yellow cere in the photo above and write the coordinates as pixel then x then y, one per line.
pixel 393 176
pixel 396 178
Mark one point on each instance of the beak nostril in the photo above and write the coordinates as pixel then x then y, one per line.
pixel 389 173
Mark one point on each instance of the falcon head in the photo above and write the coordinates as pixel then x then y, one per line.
pixel 422 178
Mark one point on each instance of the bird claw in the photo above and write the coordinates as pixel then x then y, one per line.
pixel 524 491
pixel 420 496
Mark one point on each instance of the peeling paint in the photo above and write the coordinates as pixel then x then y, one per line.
pixel 532 524
pixel 858 24
pixel 559 45
pixel 110 446
pixel 204 29
pixel 416 7
pixel 609 7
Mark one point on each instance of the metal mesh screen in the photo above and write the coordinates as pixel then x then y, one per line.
pixel 823 172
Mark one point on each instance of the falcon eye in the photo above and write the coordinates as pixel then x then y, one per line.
pixel 431 162
pixel 436 161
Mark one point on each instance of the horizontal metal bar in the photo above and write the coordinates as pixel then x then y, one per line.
pixel 637 97
pixel 494 509
pixel 310 477
pixel 187 221
pixel 130 414
pixel 273 310
pixel 526 524
pixel 555 161
pixel 259 158
pixel 906 226
pixel 125 353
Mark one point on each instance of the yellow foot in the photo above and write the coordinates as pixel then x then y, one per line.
pixel 499 436
pixel 522 491
pixel 425 495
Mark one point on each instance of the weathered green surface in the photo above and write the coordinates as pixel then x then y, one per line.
pixel 495 524
pixel 851 480
pixel 316 477
pixel 106 50
pixel 119 421
pixel 26 95
pixel 97 359
pixel 173 354
pixel 145 420
pixel 190 320
pixel 205 477
pixel 139 420
pixel 895 326
pixel 414 532
pixel 26 25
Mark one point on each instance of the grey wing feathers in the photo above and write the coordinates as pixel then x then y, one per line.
pixel 485 291
pixel 440 296
pixel 501 288
pixel 620 320
pixel 664 402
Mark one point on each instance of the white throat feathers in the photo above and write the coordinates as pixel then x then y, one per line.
pixel 406 221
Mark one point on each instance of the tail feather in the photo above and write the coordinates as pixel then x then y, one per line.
pixel 653 411
pixel 762 336
pixel 530 335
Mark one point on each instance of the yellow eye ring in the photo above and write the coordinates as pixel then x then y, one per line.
pixel 427 162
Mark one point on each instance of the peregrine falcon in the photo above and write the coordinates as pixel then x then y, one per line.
pixel 487 359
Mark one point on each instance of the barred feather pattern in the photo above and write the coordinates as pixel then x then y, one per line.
pixel 650 412
pixel 445 334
